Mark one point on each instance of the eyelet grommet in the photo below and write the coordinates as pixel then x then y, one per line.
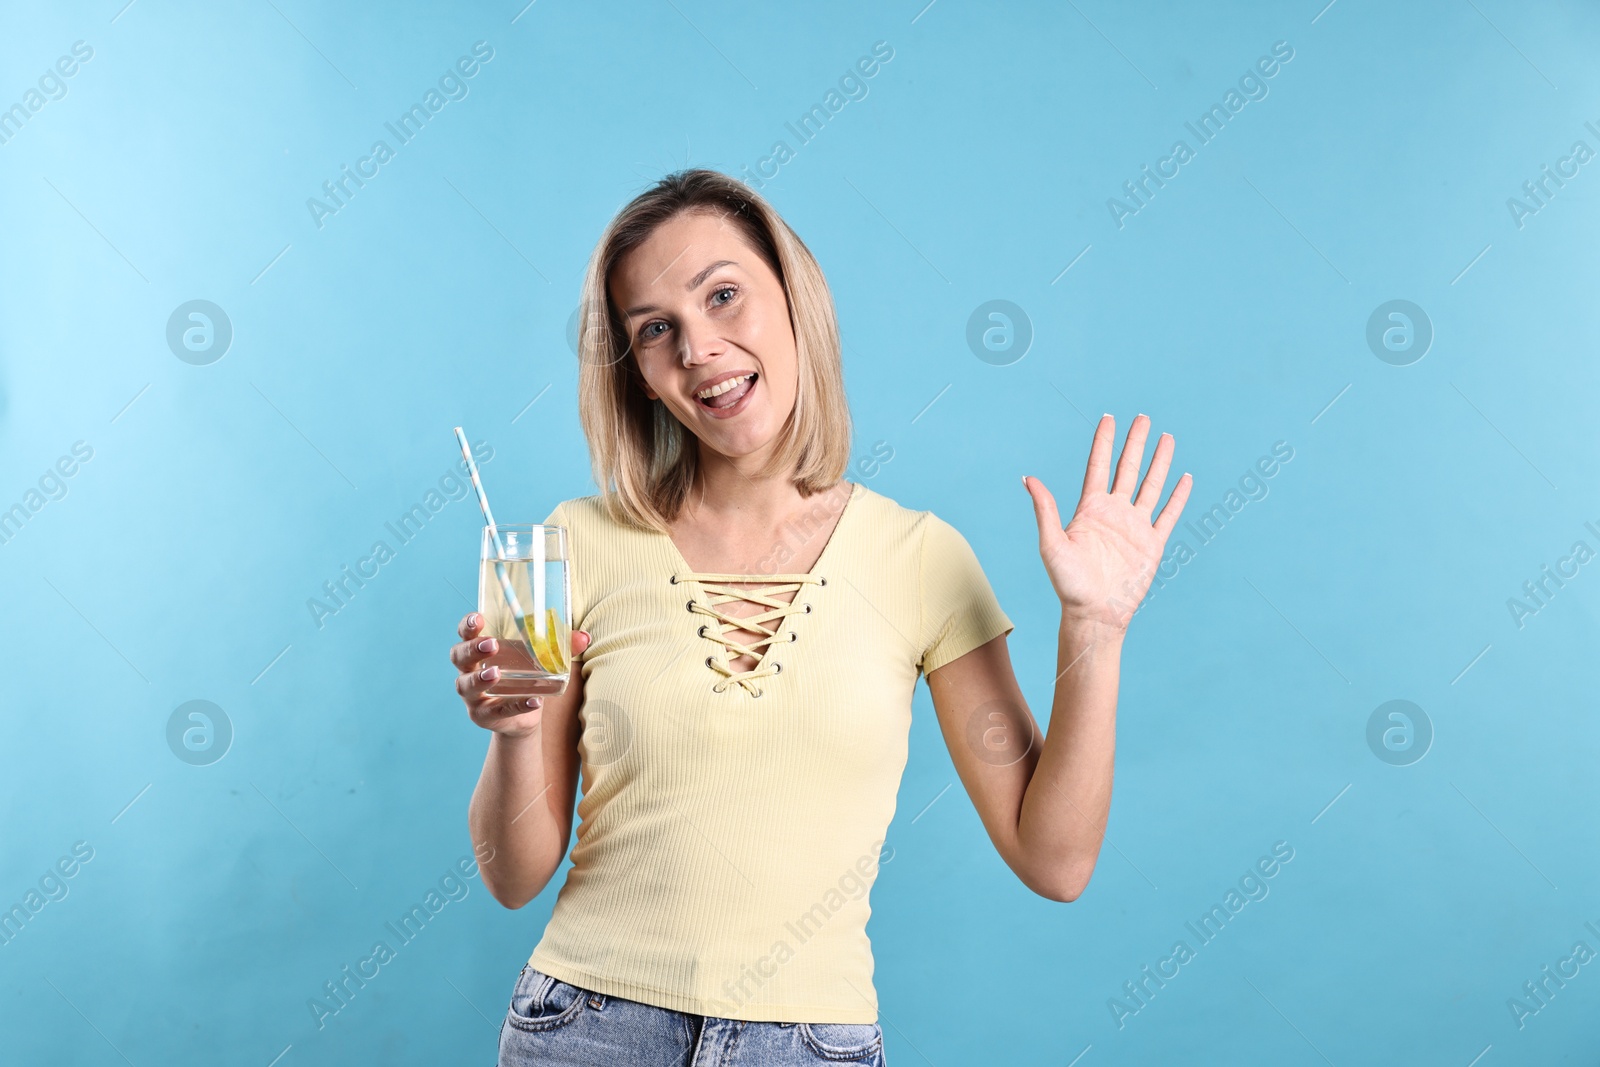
pixel 808 608
pixel 672 579
pixel 793 637
pixel 702 630
pixel 689 605
pixel 708 661
pixel 822 581
pixel 777 668
pixel 757 693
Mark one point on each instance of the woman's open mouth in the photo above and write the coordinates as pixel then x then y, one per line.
pixel 732 399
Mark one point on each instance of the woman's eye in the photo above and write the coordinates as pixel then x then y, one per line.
pixel 646 335
pixel 725 289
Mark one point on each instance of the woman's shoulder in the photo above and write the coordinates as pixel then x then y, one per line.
pixel 937 545
pixel 888 529
pixel 888 511
pixel 578 507
pixel 588 517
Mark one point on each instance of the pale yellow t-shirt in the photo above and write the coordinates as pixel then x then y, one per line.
pixel 727 842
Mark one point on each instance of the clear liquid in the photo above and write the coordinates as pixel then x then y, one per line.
pixel 548 629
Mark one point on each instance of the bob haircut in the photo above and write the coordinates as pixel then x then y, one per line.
pixel 644 460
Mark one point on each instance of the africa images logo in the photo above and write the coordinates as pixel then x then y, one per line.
pixel 452 85
pixel 1205 128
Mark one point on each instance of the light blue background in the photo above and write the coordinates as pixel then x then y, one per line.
pixel 1232 309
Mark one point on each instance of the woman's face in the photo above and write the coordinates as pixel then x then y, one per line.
pixel 702 310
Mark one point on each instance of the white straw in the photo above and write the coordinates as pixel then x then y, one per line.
pixel 483 499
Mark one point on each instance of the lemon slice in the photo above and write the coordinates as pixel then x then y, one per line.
pixel 560 641
pixel 549 651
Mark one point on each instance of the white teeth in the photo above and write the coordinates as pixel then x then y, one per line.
pixel 718 390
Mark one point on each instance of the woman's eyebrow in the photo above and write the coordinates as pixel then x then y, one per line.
pixel 694 283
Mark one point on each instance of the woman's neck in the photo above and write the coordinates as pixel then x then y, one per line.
pixel 729 492
pixel 723 493
pixel 748 525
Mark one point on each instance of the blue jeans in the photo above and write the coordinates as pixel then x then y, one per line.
pixel 551 1022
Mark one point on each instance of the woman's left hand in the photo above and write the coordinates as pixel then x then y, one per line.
pixel 1102 563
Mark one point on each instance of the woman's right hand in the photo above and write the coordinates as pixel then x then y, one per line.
pixel 512 716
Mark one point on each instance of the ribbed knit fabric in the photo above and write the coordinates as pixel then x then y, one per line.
pixel 727 842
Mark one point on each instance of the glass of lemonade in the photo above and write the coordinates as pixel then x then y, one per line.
pixel 535 561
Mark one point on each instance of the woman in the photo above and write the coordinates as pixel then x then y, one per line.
pixel 749 631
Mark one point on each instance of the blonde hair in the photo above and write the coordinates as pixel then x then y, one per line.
pixel 644 460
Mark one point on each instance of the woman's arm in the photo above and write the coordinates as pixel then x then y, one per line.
pixel 1045 801
pixel 520 816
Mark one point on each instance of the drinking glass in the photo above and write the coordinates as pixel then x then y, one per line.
pixel 535 562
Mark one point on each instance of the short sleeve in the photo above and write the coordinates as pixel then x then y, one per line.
pixel 959 610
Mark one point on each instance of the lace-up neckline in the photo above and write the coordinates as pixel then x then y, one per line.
pixel 769 623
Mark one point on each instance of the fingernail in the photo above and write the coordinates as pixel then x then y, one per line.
pixel 489 674
pixel 531 702
pixel 473 620
pixel 486 645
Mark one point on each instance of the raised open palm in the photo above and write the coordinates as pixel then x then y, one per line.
pixel 1102 563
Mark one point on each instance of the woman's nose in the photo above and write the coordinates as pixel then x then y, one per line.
pixel 699 343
